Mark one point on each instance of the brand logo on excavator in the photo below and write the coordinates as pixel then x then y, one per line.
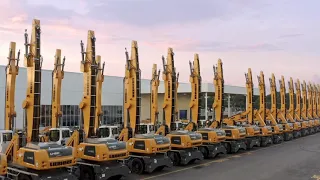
pixel 55 153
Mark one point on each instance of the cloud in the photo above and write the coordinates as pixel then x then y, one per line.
pixel 291 35
pixel 148 13
pixel 226 47
pixel 279 37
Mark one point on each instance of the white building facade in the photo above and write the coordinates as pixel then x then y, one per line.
pixel 72 92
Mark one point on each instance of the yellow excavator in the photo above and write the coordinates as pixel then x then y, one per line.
pixel 318 102
pixel 148 152
pixel 277 129
pixel 304 111
pixel 245 119
pixel 57 76
pixel 311 116
pixel 291 112
pixel 281 113
pixel 315 107
pixel 97 158
pixel 27 158
pixel 12 71
pixel 298 111
pixel 148 126
pixel 235 135
pixel 266 131
pixel 213 146
pixel 184 144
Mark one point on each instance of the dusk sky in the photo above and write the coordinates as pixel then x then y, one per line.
pixel 275 36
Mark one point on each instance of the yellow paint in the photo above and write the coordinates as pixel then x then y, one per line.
pixel 221 160
pixel 236 156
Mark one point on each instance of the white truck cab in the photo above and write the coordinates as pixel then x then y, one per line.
pixel 5 139
pixel 59 135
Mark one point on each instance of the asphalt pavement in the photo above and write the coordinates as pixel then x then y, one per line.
pixel 293 160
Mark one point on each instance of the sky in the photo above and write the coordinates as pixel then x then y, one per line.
pixel 274 36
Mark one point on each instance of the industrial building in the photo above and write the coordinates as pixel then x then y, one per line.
pixel 112 98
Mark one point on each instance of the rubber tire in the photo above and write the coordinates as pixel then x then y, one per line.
pixel 24 177
pixel 175 158
pixel 228 148
pixel 204 152
pixel 137 166
pixel 86 173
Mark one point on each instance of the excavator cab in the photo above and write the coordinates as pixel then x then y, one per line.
pixel 108 131
pixel 59 135
pixel 144 128
pixel 176 126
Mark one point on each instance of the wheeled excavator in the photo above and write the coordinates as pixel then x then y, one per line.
pixel 266 131
pixel 317 87
pixel 314 107
pixel 28 158
pixel 235 135
pixel 149 125
pixel 245 119
pixel 213 146
pixel 184 144
pixel 12 71
pixel 277 129
pixel 97 158
pixel 147 152
pixel 57 77
pixel 281 116
pixel 291 116
pixel 306 116
pixel 311 116
pixel 298 111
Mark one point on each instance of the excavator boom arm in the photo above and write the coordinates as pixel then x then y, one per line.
pixel 218 82
pixel 33 62
pixel 195 81
pixel 57 76
pixel 12 71
pixel 89 69
pixel 298 101
pixel 154 94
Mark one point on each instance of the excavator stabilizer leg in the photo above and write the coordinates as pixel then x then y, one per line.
pixel 139 164
pixel 212 150
pixel 101 171
pixel 296 134
pixel 288 136
pixel 265 140
pixel 312 130
pixel 277 138
pixel 19 172
pixel 252 142
pixel 304 132
pixel 235 146
pixel 185 156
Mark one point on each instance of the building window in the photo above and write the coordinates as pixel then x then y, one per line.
pixel 183 114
